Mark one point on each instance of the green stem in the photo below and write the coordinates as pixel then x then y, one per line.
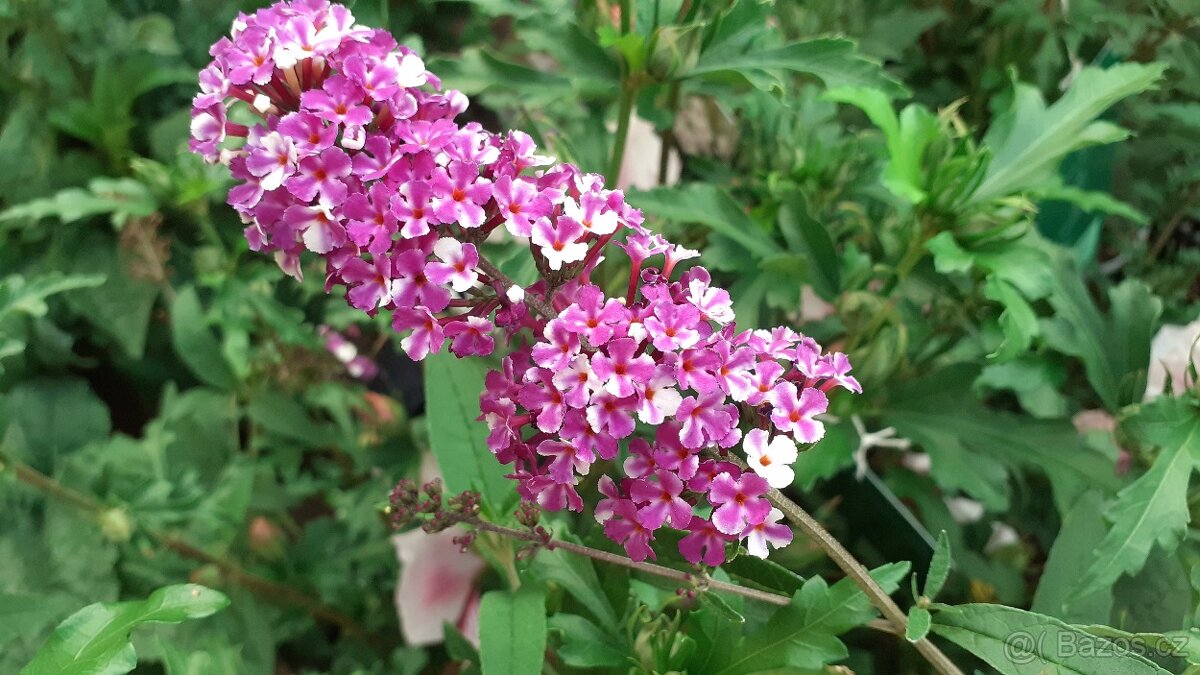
pixel 624 113
pixel 626 16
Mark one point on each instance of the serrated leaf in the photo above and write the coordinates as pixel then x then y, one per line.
pixel 457 439
pixel 971 446
pixel 919 621
pixel 804 634
pixel 939 567
pixel 1017 642
pixel 834 61
pixel 1114 347
pixel 586 645
pixel 1153 510
pixel 95 640
pixel 1029 140
pixel 512 632
pixel 123 198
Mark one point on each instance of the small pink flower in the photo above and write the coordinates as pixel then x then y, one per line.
pixel 371 223
pixel 411 285
pixel 794 414
pixel 703 420
pixel 320 176
pixel 338 100
pixel 471 336
pixel 704 543
pixel 426 337
pixel 462 194
pixel 611 414
pixel 593 316
pixel 739 502
pixel 457 266
pixel 519 204
pixel 625 529
pixel 568 459
pixel 621 372
pixel 411 206
pixel 556 241
pixel 673 327
pixel 662 501
pixel 558 349
pixel 272 158
pixel 577 382
pixel 592 213
pixel 658 398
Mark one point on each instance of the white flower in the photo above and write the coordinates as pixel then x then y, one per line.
pixel 1170 351
pixel 771 460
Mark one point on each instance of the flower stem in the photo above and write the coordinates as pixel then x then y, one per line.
pixel 624 113
pixel 702 582
pixel 857 572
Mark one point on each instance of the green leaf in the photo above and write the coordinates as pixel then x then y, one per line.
pixel 49 418
pixel 577 576
pixel 834 61
pixel 124 198
pixel 919 620
pixel 939 567
pixel 457 439
pixel 907 137
pixel 971 446
pixel 1018 323
pixel 708 205
pixel 585 645
pixel 1114 347
pixel 1184 644
pixel 1093 201
pixel 512 632
pixel 1029 140
pixel 120 307
pixel 1017 642
pixel 804 634
pixel 27 294
pixel 95 640
pixel 195 344
pixel 765 573
pixel 1035 380
pixel 1082 530
pixel 805 235
pixel 1154 508
pixel 26 614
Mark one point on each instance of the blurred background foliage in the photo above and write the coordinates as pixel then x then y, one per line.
pixel 993 224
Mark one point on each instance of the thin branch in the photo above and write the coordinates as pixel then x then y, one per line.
pixel 700 582
pixel 856 571
pixel 531 301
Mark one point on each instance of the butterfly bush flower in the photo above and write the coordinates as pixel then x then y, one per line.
pixel 356 159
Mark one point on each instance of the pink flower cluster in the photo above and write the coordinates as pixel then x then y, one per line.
pixel 350 150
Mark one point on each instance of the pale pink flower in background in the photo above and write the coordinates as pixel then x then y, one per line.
pixel 436 583
pixel 437 580
pixel 1170 351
